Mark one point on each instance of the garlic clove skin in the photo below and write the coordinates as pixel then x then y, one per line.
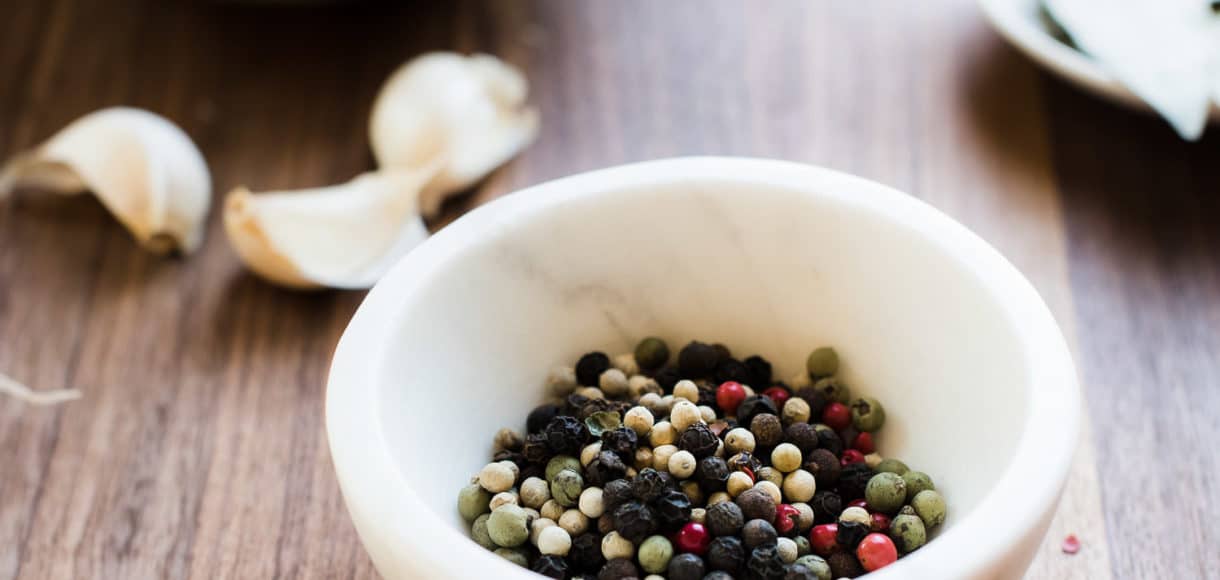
pixel 342 236
pixel 143 168
pixel 467 113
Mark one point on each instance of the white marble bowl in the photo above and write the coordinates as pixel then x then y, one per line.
pixel 768 257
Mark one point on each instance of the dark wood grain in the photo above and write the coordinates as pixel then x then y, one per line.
pixel 199 451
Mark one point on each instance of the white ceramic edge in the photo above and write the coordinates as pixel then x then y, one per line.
pixel 389 516
pixel 1009 19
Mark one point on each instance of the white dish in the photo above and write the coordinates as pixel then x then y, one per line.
pixel 766 256
pixel 1020 23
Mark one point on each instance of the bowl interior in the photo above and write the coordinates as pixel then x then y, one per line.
pixel 764 269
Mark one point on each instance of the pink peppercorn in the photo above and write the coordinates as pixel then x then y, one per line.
pixel 864 443
pixel 837 416
pixel 823 539
pixel 785 518
pixel 729 395
pixel 876 551
pixel 693 538
pixel 851 456
pixel 779 395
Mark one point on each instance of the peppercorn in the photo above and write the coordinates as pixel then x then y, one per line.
pixel 826 506
pixel 651 353
pixel 590 367
pixel 712 474
pixel 844 565
pixel 605 524
pixel 836 391
pixel 732 370
pixel 803 548
pixel 589 453
pixel 767 429
pixel 643 458
pixel 822 362
pixel 573 521
pixel 815 564
pixel 853 479
pixel 837 416
pixel 804 519
pixel 682 464
pixel 753 405
pixel 648 485
pixel 756 504
pixel 815 398
pixel 554 541
pixel 634 520
pixel 759 369
pixel 725 519
pixel 758 533
pixel 621 440
pixel 685 567
pixel 851 456
pixel 535 450
pixel 586 552
pixel 829 440
pixel 908 532
pixel 786 457
pixel 850 533
pixel 473 501
pixel 479 533
pixel 765 563
pixel 565 435
pixel 566 487
pixel 930 507
pixel 799 485
pixel 503 498
pixel 916 481
pixel 876 551
pixel 517 557
pixel 640 386
pixel 867 414
pixel 654 554
pixel 726 553
pixel 672 509
pixel 560 463
pixel 771 490
pixel 890 465
pixel 886 492
pixel 744 461
pixel 666 378
pixel 795 411
pixel 606 467
pixel 616 492
pixel 684 414
pixel 738 440
pixel 540 417
pixel 699 440
pixel 640 420
pixel 602 421
pixel 787 549
pixel 591 502
pixel 618 569
pixel 796 571
pixel 697 360
pixel 508 526
pixel 661 455
pixel 824 467
pixel 496 477
pixel 686 389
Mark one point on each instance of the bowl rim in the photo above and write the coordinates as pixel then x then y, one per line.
pixel 390 515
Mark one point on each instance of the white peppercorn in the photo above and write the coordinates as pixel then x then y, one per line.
pixel 626 362
pixel 652 402
pixel 684 414
pixel 591 503
pixel 692 490
pixel 687 390
pixel 561 381
pixel 667 405
pixel 531 514
pixel 787 550
pixel 643 457
pixel 662 433
pixel 513 468
pixel 804 517
pixel 719 449
pixel 534 492
pixel 591 393
pixel 537 526
pixel 550 508
pixel 639 385
pixel 508 439
pixel 799 486
pixel 856 514
pixel 574 522
pixel 737 483
pixel 615 545
pixel 739 440
pixel 707 413
pixel 496 477
pixel 771 490
pixel 589 453
pixel 682 464
pixel 698 515
pixel 770 474
pixel 719 497
pixel 554 541
pixel 638 419
pixel 503 498
pixel 661 455
pixel 873 460
pixel 796 410
pixel 786 457
pixel 613 382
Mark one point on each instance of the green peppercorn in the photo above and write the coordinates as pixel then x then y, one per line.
pixel 917 481
pixel 908 532
pixel 822 362
pixel 566 487
pixel 508 526
pixel 817 565
pixel 867 414
pixel 892 466
pixel 654 554
pixel 517 557
pixel 603 421
pixel 930 506
pixel 885 492
pixel 803 547
pixel 651 353
pixel 473 501
pixel 560 463
pixel 478 532
pixel 834 390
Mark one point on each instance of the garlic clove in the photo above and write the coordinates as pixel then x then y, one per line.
pixel 466 112
pixel 342 236
pixel 142 167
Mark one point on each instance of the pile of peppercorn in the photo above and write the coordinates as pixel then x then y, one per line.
pixel 643 469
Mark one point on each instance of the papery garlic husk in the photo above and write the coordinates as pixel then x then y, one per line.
pixel 342 236
pixel 466 112
pixel 143 168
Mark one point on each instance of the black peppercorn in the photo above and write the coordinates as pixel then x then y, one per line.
pixel 732 370
pixel 718 575
pixel 726 553
pixel 756 504
pixel 590 367
pixel 815 398
pixel 533 470
pixel 615 493
pixel 536 450
pixel 796 571
pixel 540 417
pixel 605 524
pixel 768 430
pixel 759 369
pixel 826 506
pixel 848 436
pixel 765 563
pixel 844 565
pixel 605 468
pixel 853 479
pixel 592 406
pixel 758 533
pixel 666 378
pixel 824 466
pixel 618 569
pixel 685 567
pixel 743 461
pixel 565 435
pixel 672 509
pixel 552 566
pixel 803 435
pixel 505 455
pixel 712 473
pixel 622 441
pixel 850 533
pixel 724 519
pixel 754 405
pixel 699 440
pixel 830 441
pixel 697 360
pixel 635 521
pixel 573 404
pixel 585 554
pixel 649 484
pixel 707 396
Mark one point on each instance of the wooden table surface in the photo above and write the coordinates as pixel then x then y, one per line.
pixel 198 450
